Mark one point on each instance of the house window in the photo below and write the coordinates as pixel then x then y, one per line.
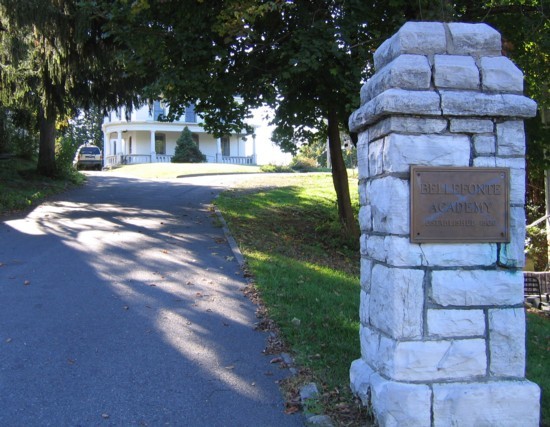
pixel 158 111
pixel 160 143
pixel 130 145
pixel 195 137
pixel 225 146
pixel 190 116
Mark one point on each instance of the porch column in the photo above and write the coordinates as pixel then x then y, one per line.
pixel 119 141
pixel 153 153
pixel 218 150
pixel 106 148
pixel 254 160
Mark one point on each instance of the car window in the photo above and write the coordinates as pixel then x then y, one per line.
pixel 89 150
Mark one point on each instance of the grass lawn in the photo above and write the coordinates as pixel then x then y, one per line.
pixel 21 186
pixel 307 277
pixel 538 359
pixel 179 170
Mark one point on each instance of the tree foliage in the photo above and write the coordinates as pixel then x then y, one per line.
pixel 187 150
pixel 56 57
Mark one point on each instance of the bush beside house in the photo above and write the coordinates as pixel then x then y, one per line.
pixel 187 150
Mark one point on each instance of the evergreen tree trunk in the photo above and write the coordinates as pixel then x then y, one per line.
pixel 3 132
pixel 340 177
pixel 46 150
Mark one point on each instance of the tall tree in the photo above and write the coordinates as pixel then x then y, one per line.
pixel 56 57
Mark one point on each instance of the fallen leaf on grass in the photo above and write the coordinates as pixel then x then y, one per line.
pixel 292 409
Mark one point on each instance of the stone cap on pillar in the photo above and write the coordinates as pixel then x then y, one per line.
pixel 429 38
pixel 442 69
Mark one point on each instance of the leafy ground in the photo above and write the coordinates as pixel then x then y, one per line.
pixel 21 186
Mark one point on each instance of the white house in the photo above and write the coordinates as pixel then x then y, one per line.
pixel 145 139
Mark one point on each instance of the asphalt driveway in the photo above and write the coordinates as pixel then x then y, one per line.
pixel 121 304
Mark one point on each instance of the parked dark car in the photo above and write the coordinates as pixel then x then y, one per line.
pixel 88 157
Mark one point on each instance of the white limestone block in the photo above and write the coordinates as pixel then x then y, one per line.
pixel 372 349
pixel 517 178
pixel 499 74
pixel 455 72
pixel 363 196
pixel 359 376
pixel 471 126
pixel 375 248
pixel 422 38
pixel 363 156
pixel 455 323
pixel 405 72
pixel 363 239
pixel 397 301
pixel 485 162
pixel 395 101
pixel 507 342
pixel 437 360
pixel 484 144
pixel 499 403
pixel 511 138
pixel 477 287
pixel 376 158
pixel 400 252
pixel 456 254
pixel 411 125
pixel 512 254
pixel 399 404
pixel 401 151
pixel 366 270
pixel 365 218
pixel 487 105
pixel 517 174
pixel 473 39
pixel 390 214
pixel 364 305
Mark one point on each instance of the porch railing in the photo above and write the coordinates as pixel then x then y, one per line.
pixel 238 160
pixel 133 159
pixel 164 158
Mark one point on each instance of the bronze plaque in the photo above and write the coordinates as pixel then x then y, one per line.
pixel 454 205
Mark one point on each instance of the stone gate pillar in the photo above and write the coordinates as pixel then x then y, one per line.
pixel 442 323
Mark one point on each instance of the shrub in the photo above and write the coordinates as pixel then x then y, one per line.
pixel 275 168
pixel 303 164
pixel 187 150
